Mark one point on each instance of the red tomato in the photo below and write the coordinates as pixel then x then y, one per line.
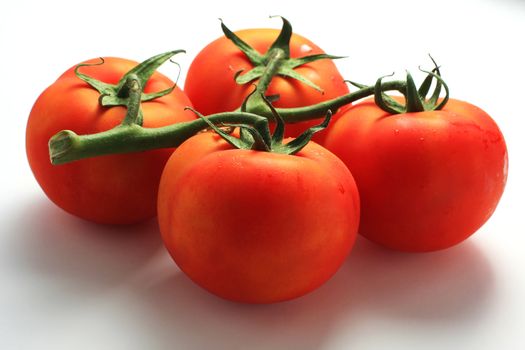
pixel 254 226
pixel 211 87
pixel 115 189
pixel 427 180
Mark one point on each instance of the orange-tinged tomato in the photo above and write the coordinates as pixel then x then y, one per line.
pixel 114 189
pixel 254 226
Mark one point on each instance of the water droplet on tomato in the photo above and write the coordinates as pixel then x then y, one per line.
pixel 396 131
pixel 421 139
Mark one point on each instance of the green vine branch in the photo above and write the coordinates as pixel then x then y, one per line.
pixel 67 146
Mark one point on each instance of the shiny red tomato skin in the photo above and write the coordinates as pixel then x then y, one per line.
pixel 211 87
pixel 253 226
pixel 427 180
pixel 114 189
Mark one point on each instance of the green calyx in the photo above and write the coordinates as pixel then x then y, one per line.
pixel 416 99
pixel 118 95
pixel 257 136
pixel 277 58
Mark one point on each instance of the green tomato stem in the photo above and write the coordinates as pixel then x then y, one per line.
pixel 254 102
pixel 272 68
pixel 66 146
pixel 319 110
pixel 133 91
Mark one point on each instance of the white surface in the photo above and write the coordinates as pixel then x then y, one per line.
pixel 68 284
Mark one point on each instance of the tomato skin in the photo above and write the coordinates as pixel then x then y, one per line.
pixel 114 189
pixel 253 226
pixel 211 87
pixel 427 180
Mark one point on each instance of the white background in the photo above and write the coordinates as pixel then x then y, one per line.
pixel 69 284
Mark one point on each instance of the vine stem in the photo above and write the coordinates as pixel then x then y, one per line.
pixel 319 110
pixel 67 146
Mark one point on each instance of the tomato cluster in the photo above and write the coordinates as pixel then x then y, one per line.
pixel 245 215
